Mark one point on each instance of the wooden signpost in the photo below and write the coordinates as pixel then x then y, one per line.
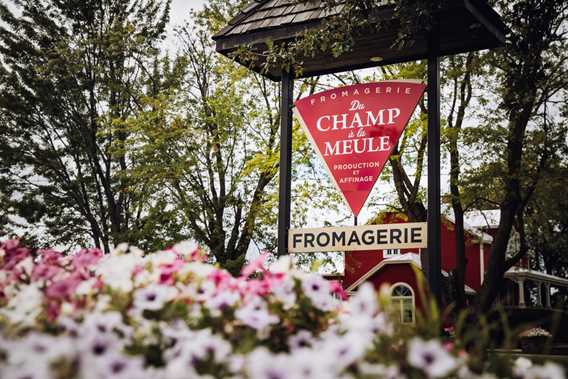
pixel 358 238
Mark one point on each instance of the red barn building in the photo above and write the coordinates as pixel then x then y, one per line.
pixel 402 269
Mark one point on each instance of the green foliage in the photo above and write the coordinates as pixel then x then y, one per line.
pixel 70 71
pixel 337 33
pixel 207 143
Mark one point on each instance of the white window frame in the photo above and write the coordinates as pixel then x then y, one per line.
pixel 401 303
pixel 391 253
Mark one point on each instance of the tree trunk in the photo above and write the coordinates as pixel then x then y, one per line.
pixel 455 126
pixel 509 207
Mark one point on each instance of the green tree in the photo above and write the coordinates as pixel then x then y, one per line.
pixel 530 70
pixel 212 151
pixel 547 223
pixel 460 72
pixel 70 69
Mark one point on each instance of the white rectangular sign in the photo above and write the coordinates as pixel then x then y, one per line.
pixel 358 238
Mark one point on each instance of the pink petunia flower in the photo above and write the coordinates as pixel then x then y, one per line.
pixel 12 254
pixel 45 271
pixel 63 289
pixel 219 277
pixel 168 271
pixel 337 289
pixel 254 266
pixel 50 256
pixel 86 258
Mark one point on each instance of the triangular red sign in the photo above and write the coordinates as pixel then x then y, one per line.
pixel 355 129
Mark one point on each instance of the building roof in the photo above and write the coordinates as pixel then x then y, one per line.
pixel 407 258
pixel 465 25
pixel 522 273
pixel 470 228
pixel 488 219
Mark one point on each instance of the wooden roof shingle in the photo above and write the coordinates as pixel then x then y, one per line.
pixel 465 25
pixel 266 14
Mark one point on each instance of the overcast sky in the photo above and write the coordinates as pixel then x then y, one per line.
pixel 181 8
pixel 179 14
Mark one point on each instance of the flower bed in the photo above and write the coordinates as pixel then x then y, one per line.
pixel 171 315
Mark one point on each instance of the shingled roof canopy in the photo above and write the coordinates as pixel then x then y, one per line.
pixel 466 25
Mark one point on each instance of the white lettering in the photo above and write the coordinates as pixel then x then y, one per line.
pixel 357 146
pixel 356 123
pixel 385 143
pixel 347 147
pixel 339 123
pixel 393 113
pixel 329 150
pixel 319 123
pixel 355 105
pixel 378 120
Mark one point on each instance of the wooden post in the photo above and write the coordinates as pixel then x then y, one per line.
pixel 547 295
pixel 521 284
pixel 286 100
pixel 434 263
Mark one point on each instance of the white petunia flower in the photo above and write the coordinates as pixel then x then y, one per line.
pixel 120 249
pixel 103 303
pixel 317 289
pixel 521 366
pixel 465 373
pixel 105 323
pixel 161 258
pixel 431 357
pixel 25 306
pixel 26 265
pixel 311 364
pixel 368 328
pixel 364 303
pixel 125 248
pixel 198 269
pixel 201 292
pixel 39 348
pixel 283 291
pixel 181 369
pixel 29 371
pixel 381 371
pixel 185 247
pixel 283 264
pixel 94 347
pixel 343 350
pixel 191 348
pixel 118 366
pixel 153 297
pixel 70 326
pixel 255 315
pixel 301 340
pixel 261 364
pixel 236 363
pixel 116 270
pixel 222 300
pixel 86 287
pixel 548 371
